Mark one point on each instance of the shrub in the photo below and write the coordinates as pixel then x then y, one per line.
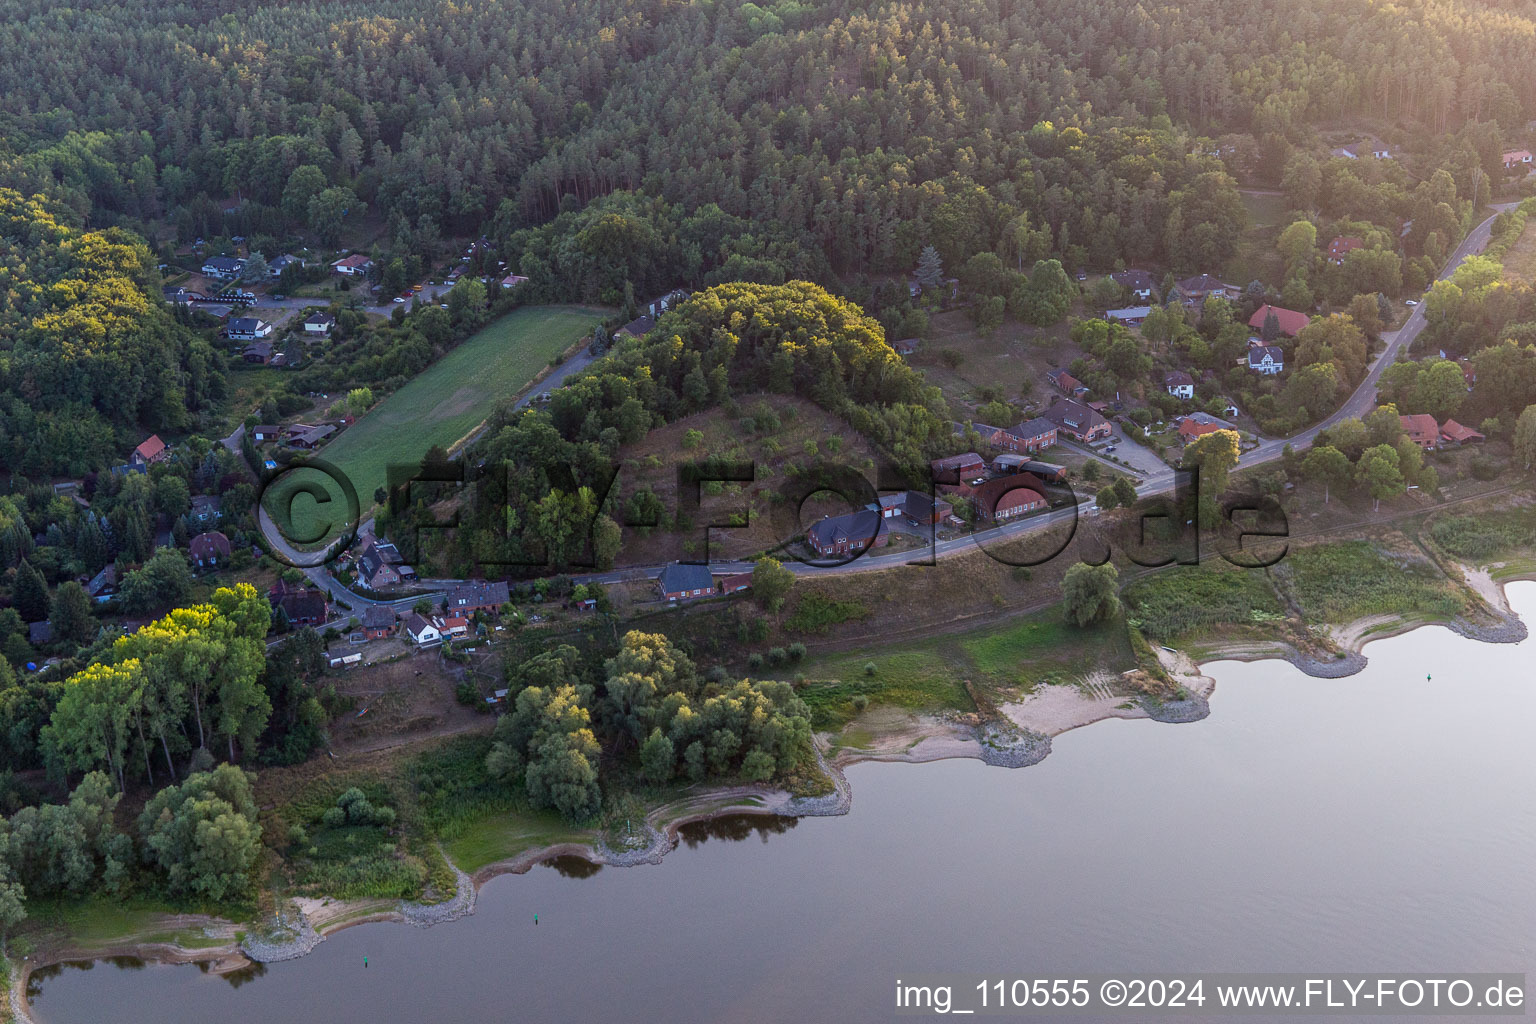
pixel 869 668
pixel 777 656
pixel 796 650
pixel 860 701
pixel 754 661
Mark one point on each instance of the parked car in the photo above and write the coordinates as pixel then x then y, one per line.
pixel 399 298
pixel 1411 302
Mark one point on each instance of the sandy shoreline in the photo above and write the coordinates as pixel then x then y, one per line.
pixel 1030 725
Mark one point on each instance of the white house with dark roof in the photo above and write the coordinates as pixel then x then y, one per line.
pixel 1266 359
pixel 1179 384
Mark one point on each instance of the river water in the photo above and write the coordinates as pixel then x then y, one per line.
pixel 1382 822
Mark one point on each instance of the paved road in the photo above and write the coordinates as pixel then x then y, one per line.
pixel 1361 402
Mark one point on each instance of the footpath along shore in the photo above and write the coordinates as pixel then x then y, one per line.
pixel 1023 739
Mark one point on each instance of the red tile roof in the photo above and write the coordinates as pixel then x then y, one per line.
pixel 1344 244
pixel 150 448
pixel 1453 431
pixel 1190 429
pixel 1291 322
pixel 1421 428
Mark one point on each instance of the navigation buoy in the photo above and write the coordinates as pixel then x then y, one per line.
pixel 535 920
pixel 365 963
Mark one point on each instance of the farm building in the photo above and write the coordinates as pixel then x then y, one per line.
pixel 954 469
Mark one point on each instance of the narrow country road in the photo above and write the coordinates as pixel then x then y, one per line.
pixel 1361 402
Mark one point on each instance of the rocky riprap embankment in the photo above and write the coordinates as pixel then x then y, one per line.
pixel 1191 708
pixel 1007 746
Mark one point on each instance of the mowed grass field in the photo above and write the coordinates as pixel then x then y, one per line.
pixel 457 392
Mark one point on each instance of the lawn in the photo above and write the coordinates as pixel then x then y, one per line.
pixel 448 401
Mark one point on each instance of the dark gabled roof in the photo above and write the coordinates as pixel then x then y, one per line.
pixel 103 581
pixel 1135 280
pixel 640 326
pixel 245 324
pixel 478 592
pixel 679 577
pixel 414 624
pixel 859 528
pixel 39 633
pixel 1177 378
pixel 1202 283
pixel 213 543
pixel 956 461
pixel 378 616
pixel 224 263
pixel 1257 353
pixel 1032 428
pixel 1067 413
pixel 319 318
pixel 920 506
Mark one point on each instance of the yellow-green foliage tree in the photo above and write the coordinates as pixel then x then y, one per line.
pixel 194 672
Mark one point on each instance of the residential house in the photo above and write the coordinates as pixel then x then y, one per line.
pixel 181 296
pixel 1191 428
pixel 1468 371
pixel 247 328
pixel 319 323
pixel 1031 435
pixel 1007 497
pixel 1076 420
pixel 223 268
pixel 1067 384
pixel 312 437
pixel 1422 430
pixel 1139 283
pixel 1517 158
pixel 277 266
pixel 206 508
pixel 378 621
pixel 1452 432
pixel 905 347
pixel 303 605
pixel 266 432
pixel 1229 410
pixel 477 596
pixel 1346 152
pixel 1342 246
pixel 103 586
pixel 1179 384
pixel 353 266
pixel 1193 291
pixel 258 352
pixel 954 469
pixel 373 570
pixel 1266 359
pixel 668 301
pixel 923 509
pixel 209 550
pixel 735 583
pixel 513 280
pixel 453 625
pixel 845 535
pixel 421 631
pixel 1289 321
pixel 1130 315
pixel 681 581
pixel 639 327
pixel 40 634
pixel 150 451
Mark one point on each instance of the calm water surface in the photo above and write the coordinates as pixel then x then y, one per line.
pixel 1378 823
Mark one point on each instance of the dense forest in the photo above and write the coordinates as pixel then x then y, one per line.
pixel 850 132
pixel 89 355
